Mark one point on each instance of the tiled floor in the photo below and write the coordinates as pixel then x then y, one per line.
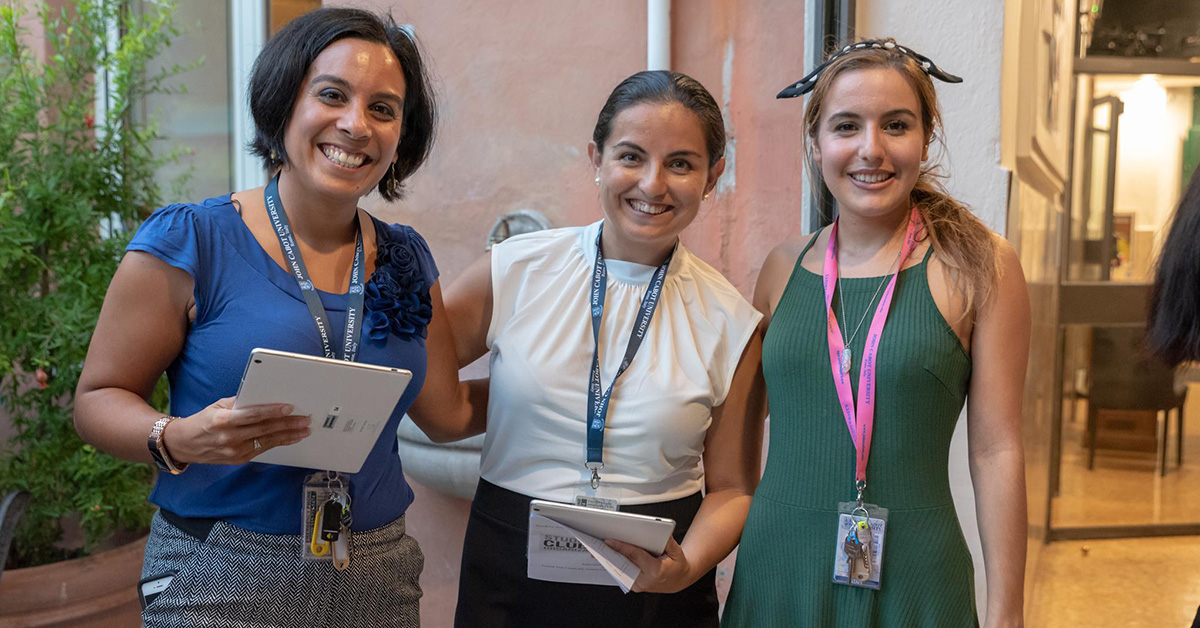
pixel 1126 583
pixel 1125 488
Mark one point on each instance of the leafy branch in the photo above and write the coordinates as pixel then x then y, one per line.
pixel 72 190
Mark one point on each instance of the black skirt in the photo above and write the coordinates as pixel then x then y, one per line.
pixel 494 592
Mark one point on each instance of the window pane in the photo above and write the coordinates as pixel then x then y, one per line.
pixel 199 120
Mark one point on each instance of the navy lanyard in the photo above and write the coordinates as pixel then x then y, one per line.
pixel 291 252
pixel 597 403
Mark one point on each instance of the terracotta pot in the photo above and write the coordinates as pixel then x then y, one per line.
pixel 90 592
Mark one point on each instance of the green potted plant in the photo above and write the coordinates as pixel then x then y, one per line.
pixel 76 177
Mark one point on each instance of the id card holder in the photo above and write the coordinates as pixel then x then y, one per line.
pixel 858 555
pixel 598 498
pixel 317 493
pixel 325 519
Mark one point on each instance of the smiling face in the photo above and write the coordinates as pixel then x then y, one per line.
pixel 345 125
pixel 653 174
pixel 870 142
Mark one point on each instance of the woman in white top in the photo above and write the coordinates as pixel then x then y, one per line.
pixel 684 414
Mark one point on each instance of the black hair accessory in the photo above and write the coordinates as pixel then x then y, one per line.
pixel 805 85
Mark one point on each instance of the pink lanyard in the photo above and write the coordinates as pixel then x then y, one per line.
pixel 861 419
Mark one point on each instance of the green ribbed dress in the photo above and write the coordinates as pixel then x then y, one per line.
pixel 785 560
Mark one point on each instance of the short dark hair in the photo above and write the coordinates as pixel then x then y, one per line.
pixel 1173 327
pixel 663 86
pixel 280 69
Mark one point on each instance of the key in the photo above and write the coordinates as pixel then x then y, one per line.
pixel 853 549
pixel 862 535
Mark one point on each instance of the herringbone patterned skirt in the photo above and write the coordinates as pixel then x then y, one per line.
pixel 236 578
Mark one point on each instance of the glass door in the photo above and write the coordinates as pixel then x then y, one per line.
pixel 1126 455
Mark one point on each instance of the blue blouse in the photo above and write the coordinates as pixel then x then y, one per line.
pixel 245 300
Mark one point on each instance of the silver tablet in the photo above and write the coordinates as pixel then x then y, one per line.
pixel 349 404
pixel 646 532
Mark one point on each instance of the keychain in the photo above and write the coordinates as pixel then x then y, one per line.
pixel 341 544
pixel 862 561
pixel 331 520
pixel 317 546
pixel 327 519
pixel 859 552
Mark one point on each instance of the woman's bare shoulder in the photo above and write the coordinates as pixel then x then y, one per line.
pixel 776 269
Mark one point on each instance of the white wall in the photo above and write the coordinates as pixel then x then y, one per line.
pixel 966 38
pixel 1150 141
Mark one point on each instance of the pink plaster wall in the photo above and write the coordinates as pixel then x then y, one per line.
pixel 745 52
pixel 521 84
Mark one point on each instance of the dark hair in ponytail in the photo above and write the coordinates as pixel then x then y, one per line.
pixel 961 241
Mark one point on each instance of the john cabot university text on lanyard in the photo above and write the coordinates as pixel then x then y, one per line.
pixel 325 506
pixel 861 526
pixel 597 401
pixel 559 553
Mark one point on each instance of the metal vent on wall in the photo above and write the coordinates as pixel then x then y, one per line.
pixel 515 223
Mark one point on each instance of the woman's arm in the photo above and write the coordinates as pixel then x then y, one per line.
pixel 1000 350
pixel 732 449
pixel 774 275
pixel 447 409
pixel 142 327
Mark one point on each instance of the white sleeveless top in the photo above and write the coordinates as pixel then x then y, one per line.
pixel 541 354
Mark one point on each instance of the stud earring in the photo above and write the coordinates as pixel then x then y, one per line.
pixel 706 196
pixel 393 184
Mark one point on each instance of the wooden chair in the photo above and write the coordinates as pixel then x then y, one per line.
pixel 1124 377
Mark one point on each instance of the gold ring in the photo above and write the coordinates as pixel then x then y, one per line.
pixel 257 445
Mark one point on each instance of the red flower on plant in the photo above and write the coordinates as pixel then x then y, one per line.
pixel 43 379
pixel 89 121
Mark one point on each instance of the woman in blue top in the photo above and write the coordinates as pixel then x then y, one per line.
pixel 342 107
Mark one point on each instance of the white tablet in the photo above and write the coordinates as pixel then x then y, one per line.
pixel 646 532
pixel 349 404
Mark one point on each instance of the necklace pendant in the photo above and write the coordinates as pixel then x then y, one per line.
pixel 845 358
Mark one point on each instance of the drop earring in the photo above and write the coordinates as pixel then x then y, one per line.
pixel 393 184
pixel 597 180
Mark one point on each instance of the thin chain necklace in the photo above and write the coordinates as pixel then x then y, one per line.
pixel 847 356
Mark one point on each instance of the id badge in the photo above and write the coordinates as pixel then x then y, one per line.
pixel 599 498
pixel 325 517
pixel 858 555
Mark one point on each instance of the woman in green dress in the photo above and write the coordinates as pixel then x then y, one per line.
pixel 910 300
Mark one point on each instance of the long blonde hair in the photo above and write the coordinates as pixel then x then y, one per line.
pixel 961 241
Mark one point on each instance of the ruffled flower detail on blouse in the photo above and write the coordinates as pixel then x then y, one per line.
pixel 397 296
